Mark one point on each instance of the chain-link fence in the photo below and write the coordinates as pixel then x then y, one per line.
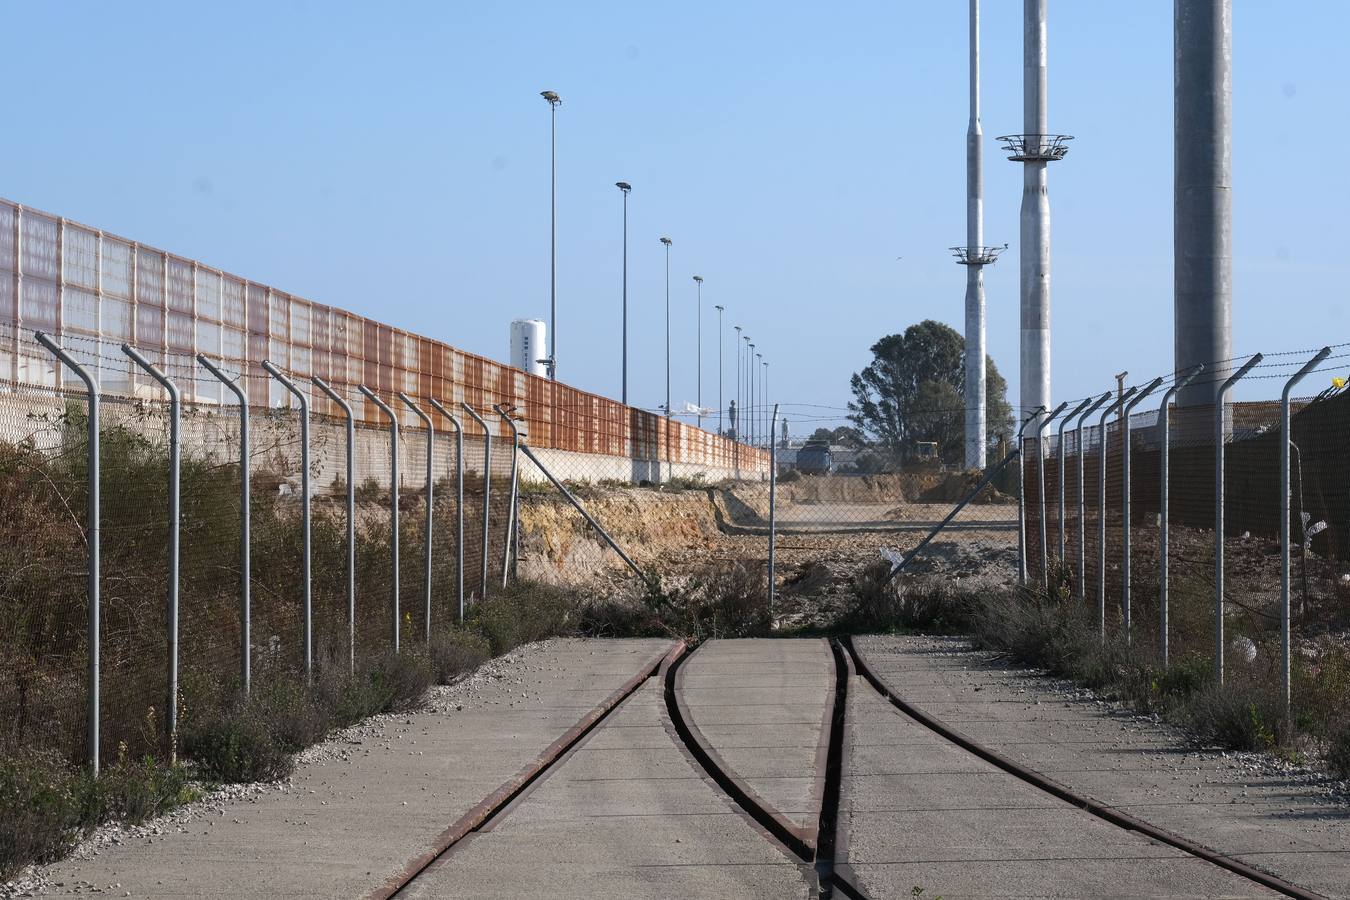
pixel 1211 537
pixel 173 614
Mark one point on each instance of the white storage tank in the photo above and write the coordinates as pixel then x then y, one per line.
pixel 528 347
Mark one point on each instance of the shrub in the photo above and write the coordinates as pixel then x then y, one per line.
pixel 723 602
pixel 293 715
pixel 457 653
pixel 1236 716
pixel 399 681
pixel 613 616
pixel 935 604
pixel 233 744
pixel 523 612
pixel 1338 752
pixel 46 805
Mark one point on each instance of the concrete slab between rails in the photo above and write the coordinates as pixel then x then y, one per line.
pixel 761 710
pixel 623 816
pixel 349 825
pixel 937 818
pixel 1255 809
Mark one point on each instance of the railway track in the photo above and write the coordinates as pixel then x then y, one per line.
pixel 818 847
pixel 1115 817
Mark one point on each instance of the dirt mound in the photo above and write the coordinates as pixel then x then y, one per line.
pixel 952 487
pixel 845 489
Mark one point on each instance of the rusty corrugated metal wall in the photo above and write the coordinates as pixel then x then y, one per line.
pixel 96 290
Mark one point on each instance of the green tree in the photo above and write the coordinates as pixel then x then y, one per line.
pixel 913 390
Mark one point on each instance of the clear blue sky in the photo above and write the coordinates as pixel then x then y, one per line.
pixel 392 159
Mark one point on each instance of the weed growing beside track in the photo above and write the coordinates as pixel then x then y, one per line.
pixel 1058 633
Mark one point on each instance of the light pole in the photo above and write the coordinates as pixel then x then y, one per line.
pixel 754 423
pixel 762 395
pixel 768 422
pixel 736 426
pixel 720 309
pixel 625 187
pixel 554 101
pixel 698 396
pixel 667 242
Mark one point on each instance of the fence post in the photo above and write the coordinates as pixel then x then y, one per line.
pixel 175 519
pixel 459 498
pixel 487 494
pixel 1220 433
pixel 351 520
pixel 1082 497
pixel 1022 499
pixel 773 503
pixel 511 524
pixel 431 450
pixel 91 538
pixel 1125 504
pixel 393 500
pixel 1063 424
pixel 1285 439
pixel 305 531
pixel 245 579
pixel 1040 491
pixel 1164 517
pixel 1101 514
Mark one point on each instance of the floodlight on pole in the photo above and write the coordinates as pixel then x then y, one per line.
pixel 720 309
pixel 625 187
pixel 667 242
pixel 736 425
pixel 698 395
pixel 554 101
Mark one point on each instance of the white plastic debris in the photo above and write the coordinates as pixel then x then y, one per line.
pixel 1244 648
pixel 894 557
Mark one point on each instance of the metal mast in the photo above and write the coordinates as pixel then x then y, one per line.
pixel 1203 211
pixel 975 256
pixel 1035 149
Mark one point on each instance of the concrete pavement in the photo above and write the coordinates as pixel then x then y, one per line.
pixel 1253 808
pixel 357 816
pixel 761 709
pixel 629 816
pixel 921 817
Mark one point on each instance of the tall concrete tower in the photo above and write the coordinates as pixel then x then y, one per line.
pixel 1035 149
pixel 975 256
pixel 1203 212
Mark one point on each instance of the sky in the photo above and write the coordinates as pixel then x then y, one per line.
pixel 807 160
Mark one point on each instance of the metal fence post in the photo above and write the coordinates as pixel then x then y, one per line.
pixel 1040 491
pixel 305 530
pixel 175 520
pixel 1220 433
pixel 92 541
pixel 245 579
pixel 1101 513
pixel 773 502
pixel 1022 499
pixel 351 519
pixel 1125 505
pixel 393 500
pixel 511 524
pixel 431 449
pixel 1164 516
pixel 1081 450
pixel 1063 424
pixel 487 494
pixel 1285 439
pixel 459 498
